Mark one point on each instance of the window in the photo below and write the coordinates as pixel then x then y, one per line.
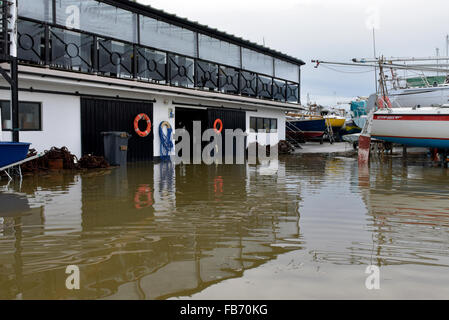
pixel 263 124
pixel 218 51
pixel 161 35
pixel 266 124
pixel 36 9
pixel 286 71
pixel 257 62
pixel 253 123
pixel 97 17
pixel 29 116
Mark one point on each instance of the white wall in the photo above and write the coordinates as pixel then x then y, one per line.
pixel 161 114
pixel 262 137
pixel 61 118
pixel 61 122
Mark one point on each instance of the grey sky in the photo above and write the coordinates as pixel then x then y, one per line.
pixel 328 30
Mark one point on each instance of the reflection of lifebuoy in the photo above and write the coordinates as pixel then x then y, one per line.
pixel 218 185
pixel 146 118
pixel 218 122
pixel 380 102
pixel 143 191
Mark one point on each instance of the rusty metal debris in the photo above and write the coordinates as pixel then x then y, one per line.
pixel 285 147
pixel 92 162
pixel 69 160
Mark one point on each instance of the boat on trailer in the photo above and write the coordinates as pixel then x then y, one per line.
pixel 12 152
pixel 421 127
pixel 309 127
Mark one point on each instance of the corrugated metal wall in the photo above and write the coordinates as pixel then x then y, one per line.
pixel 100 115
pixel 232 119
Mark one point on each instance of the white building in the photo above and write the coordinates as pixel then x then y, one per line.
pixel 90 66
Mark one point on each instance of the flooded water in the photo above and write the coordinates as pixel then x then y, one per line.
pixel 303 228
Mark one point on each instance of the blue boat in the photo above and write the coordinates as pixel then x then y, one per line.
pixel 12 152
pixel 310 128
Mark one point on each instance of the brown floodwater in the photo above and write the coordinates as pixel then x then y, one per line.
pixel 303 228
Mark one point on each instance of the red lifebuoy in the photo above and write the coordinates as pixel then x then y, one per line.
pixel 380 102
pixel 218 122
pixel 146 118
pixel 142 191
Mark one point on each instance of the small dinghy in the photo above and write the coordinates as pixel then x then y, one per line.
pixel 12 152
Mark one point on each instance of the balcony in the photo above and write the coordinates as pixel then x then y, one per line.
pixel 64 49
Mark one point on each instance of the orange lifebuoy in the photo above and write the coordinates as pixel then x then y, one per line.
pixel 218 122
pixel 146 118
pixel 380 102
pixel 142 191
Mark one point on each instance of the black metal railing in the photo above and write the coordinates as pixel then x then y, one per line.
pixel 71 50
pixel 60 48
pixel 4 32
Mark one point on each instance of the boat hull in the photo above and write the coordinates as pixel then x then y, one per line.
pixel 335 123
pixel 310 129
pixel 12 152
pixel 423 127
pixel 424 97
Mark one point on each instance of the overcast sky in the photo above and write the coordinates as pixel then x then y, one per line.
pixel 333 30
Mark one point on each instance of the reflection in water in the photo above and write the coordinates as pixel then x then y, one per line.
pixel 139 232
pixel 155 231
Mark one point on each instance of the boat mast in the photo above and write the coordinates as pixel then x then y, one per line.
pixel 375 57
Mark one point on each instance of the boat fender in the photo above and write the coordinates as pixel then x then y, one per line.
pixel 381 101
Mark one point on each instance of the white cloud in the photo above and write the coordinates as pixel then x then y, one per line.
pixel 327 30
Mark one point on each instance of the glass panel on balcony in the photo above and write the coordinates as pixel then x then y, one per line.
pixel 264 87
pixel 286 70
pixel 248 83
pixel 181 71
pixel 229 80
pixel 115 58
pixel 97 17
pixel 30 42
pixel 161 35
pixel 219 51
pixel 206 75
pixel 151 65
pixel 279 88
pixel 293 92
pixel 71 50
pixel 41 10
pixel 257 62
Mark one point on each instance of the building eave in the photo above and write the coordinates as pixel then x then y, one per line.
pixel 75 79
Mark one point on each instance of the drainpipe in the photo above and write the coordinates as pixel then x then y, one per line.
pixel 14 72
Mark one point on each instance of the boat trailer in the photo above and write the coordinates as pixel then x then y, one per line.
pixel 14 168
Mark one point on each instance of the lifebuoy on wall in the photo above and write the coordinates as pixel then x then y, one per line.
pixel 216 123
pixel 146 118
pixel 382 100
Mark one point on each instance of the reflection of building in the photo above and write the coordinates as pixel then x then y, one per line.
pixel 108 61
pixel 154 232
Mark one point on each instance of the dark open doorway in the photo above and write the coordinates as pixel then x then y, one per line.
pixel 231 119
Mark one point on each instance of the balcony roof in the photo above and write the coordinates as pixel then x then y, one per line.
pixel 195 26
